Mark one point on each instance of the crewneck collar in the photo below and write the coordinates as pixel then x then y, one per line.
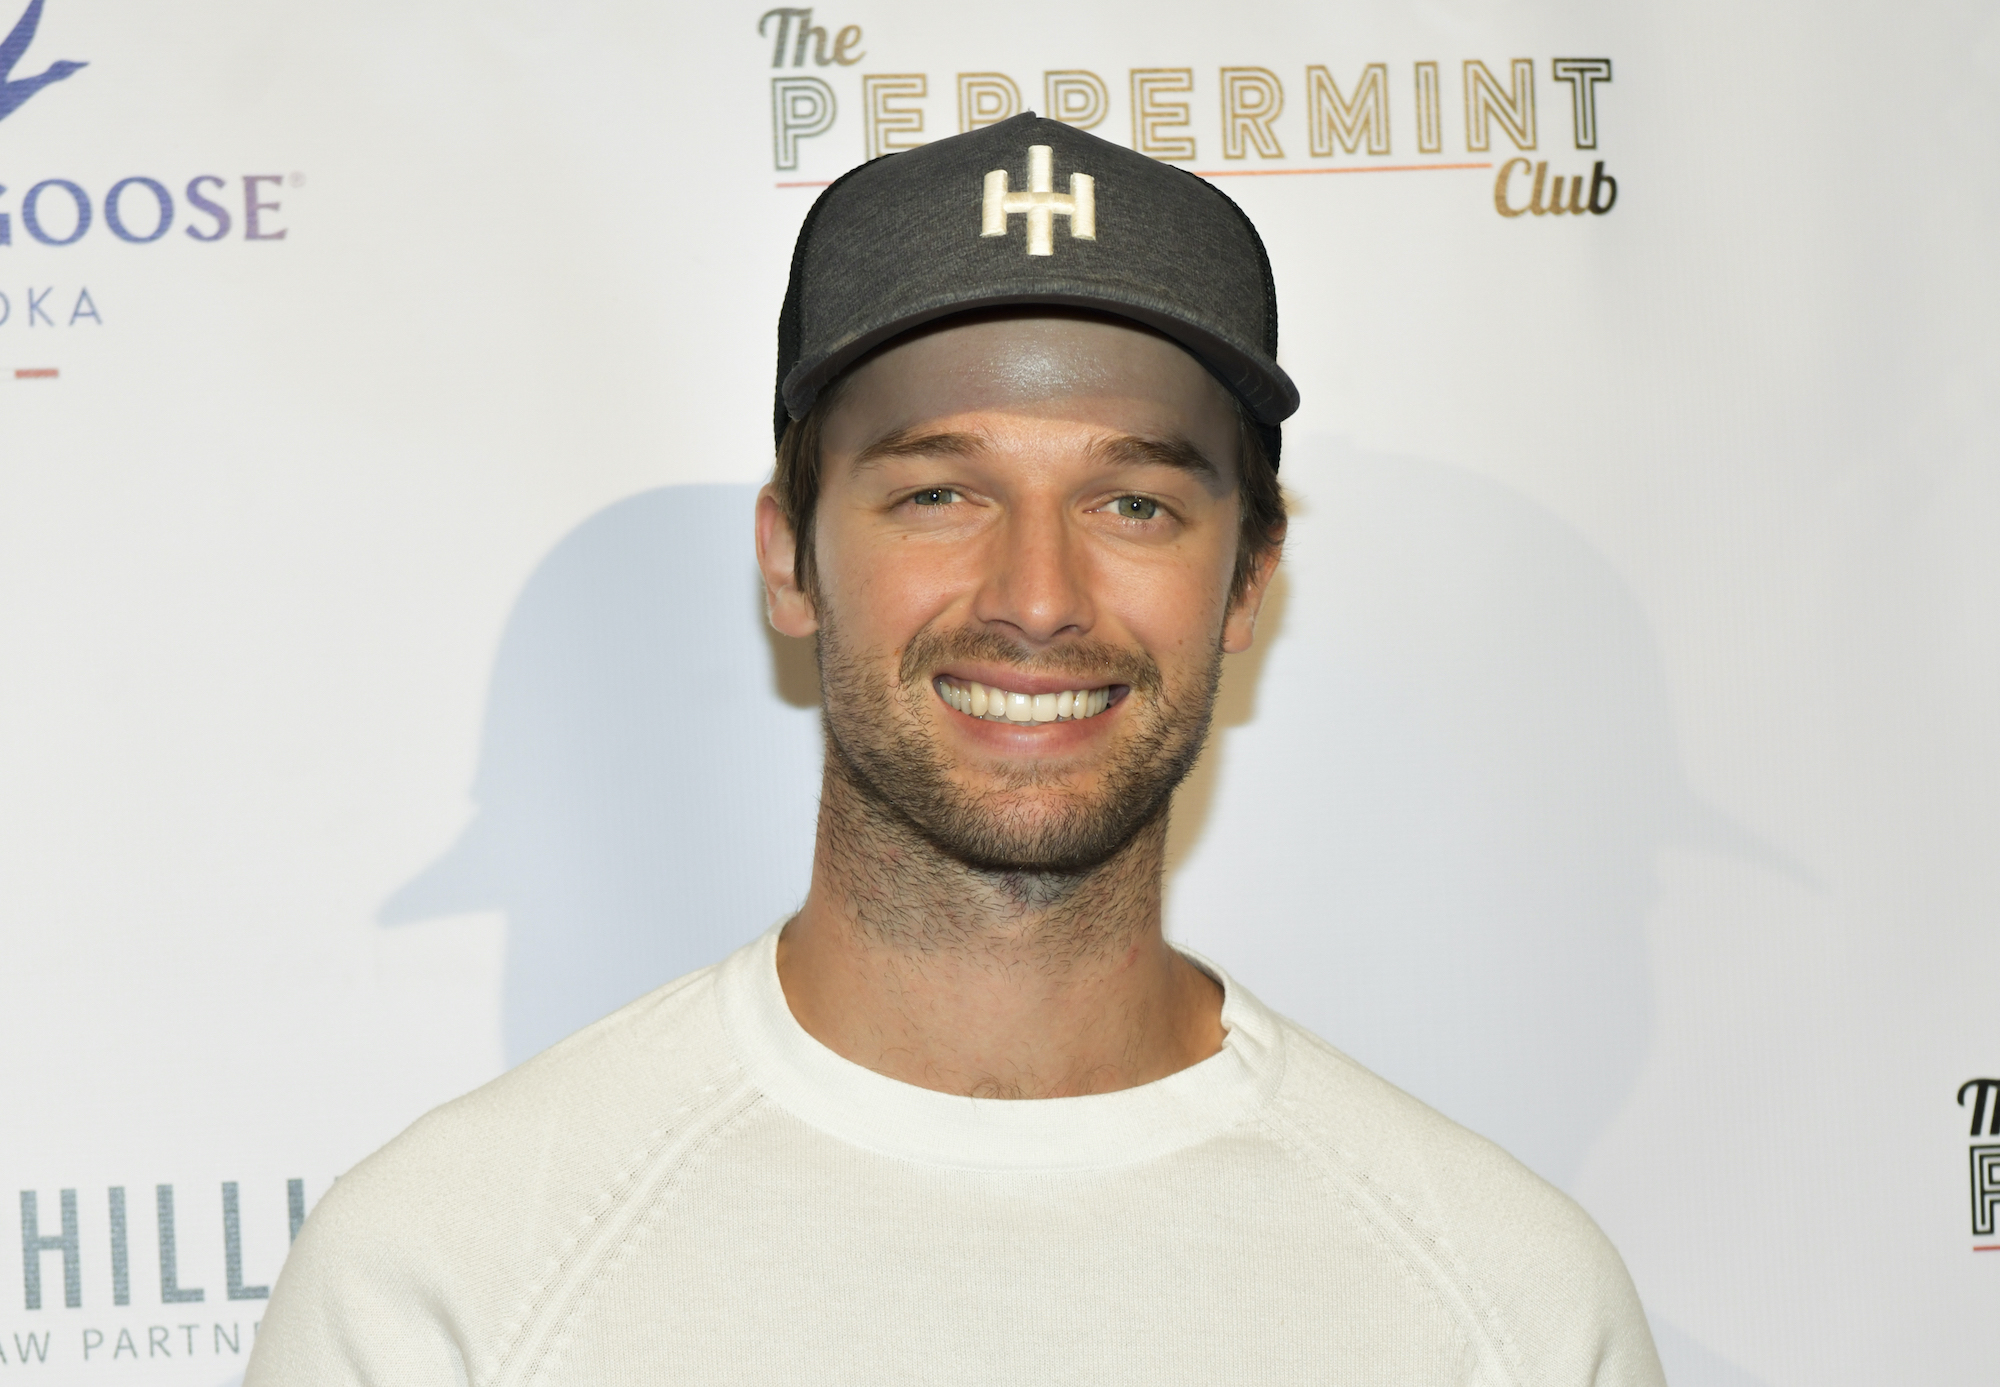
pixel 892 1118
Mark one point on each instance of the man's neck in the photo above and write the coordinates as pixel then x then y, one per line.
pixel 994 985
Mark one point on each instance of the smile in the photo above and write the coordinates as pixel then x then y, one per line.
pixel 1001 705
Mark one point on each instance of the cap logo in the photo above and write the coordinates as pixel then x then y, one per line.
pixel 1041 202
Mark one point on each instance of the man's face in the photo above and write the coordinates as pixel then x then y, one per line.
pixel 1026 534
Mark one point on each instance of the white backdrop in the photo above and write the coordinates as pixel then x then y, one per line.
pixel 383 691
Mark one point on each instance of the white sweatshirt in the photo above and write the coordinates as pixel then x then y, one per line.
pixel 695 1190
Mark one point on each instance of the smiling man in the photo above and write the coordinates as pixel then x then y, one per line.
pixel 967 1116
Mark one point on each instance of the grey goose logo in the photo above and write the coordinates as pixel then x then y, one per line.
pixel 13 90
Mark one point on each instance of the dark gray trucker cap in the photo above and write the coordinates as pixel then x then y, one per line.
pixel 1030 211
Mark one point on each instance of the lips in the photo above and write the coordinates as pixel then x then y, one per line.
pixel 995 704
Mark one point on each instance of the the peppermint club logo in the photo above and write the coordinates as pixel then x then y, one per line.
pixel 15 90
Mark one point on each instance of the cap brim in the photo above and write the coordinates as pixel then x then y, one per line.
pixel 1262 385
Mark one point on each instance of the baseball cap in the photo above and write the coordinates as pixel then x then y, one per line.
pixel 1030 211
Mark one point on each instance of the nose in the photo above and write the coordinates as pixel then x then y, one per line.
pixel 1037 580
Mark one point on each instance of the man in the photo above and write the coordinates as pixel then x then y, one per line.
pixel 967 1117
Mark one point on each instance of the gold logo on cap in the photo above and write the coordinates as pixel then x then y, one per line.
pixel 1041 202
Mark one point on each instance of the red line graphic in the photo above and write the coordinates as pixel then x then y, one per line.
pixel 35 373
pixel 805 183
pixel 1986 1247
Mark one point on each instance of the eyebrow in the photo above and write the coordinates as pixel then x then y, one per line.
pixel 905 443
pixel 1125 449
pixel 1177 453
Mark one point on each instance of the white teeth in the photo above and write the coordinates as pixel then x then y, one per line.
pixel 1002 705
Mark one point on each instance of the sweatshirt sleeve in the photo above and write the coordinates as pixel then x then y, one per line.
pixel 1539 1283
pixel 422 1265
pixel 355 1306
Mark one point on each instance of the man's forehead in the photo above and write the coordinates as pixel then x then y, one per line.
pixel 1033 363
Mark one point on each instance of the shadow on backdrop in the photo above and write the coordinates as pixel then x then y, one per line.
pixel 649 767
pixel 1435 842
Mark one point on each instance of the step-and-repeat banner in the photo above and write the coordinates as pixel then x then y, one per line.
pixel 384 691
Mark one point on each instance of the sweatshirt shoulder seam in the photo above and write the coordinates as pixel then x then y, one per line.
pixel 548 1305
pixel 1426 1249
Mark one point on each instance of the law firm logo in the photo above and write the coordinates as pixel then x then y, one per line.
pixel 1041 203
pixel 14 91
pixel 89 1298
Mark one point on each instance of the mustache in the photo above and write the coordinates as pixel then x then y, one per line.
pixel 1089 662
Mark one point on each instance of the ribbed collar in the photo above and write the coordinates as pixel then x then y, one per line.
pixel 869 1110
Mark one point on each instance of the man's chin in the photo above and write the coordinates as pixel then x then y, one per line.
pixel 1030 794
pixel 1038 832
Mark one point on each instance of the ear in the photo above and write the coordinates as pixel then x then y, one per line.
pixel 785 603
pixel 1239 628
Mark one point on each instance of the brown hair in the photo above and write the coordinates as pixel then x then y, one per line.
pixel 796 481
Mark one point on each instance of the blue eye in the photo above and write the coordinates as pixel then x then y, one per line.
pixel 1138 507
pixel 935 496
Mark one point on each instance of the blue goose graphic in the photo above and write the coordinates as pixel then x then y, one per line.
pixel 13 93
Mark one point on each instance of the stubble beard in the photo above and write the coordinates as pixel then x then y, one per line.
pixel 1032 827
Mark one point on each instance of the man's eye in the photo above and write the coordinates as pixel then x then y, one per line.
pixel 1137 507
pixel 935 496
